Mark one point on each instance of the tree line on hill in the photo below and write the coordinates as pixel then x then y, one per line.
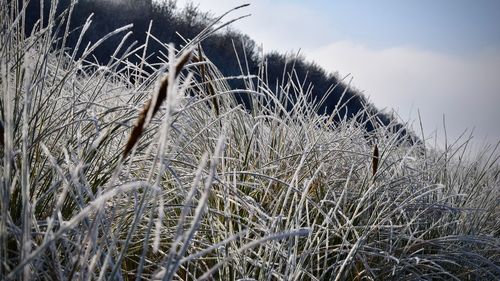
pixel 169 21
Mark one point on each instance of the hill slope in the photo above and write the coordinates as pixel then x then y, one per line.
pixel 223 48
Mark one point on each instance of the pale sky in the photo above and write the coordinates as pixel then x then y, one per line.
pixel 437 56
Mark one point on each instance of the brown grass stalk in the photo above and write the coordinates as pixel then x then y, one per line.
pixel 205 78
pixel 375 160
pixel 160 97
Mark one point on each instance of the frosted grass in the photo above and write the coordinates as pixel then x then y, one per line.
pixel 230 194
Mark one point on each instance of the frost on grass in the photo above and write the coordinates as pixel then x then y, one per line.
pixel 215 190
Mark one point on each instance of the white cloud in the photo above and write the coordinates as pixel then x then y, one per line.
pixel 279 25
pixel 466 89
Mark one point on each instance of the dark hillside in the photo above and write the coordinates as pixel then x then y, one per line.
pixel 170 20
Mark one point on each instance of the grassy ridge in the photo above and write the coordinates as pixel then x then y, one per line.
pixel 211 190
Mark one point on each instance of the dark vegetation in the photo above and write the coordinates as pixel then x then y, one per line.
pixel 171 22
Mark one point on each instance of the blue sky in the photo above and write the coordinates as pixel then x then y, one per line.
pixel 440 57
pixel 455 26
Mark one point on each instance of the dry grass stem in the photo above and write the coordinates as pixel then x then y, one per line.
pixel 156 100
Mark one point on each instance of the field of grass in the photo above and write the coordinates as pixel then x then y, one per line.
pixel 112 172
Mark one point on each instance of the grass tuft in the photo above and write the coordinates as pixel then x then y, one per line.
pixel 213 190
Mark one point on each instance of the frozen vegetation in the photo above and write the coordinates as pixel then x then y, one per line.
pixel 110 172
